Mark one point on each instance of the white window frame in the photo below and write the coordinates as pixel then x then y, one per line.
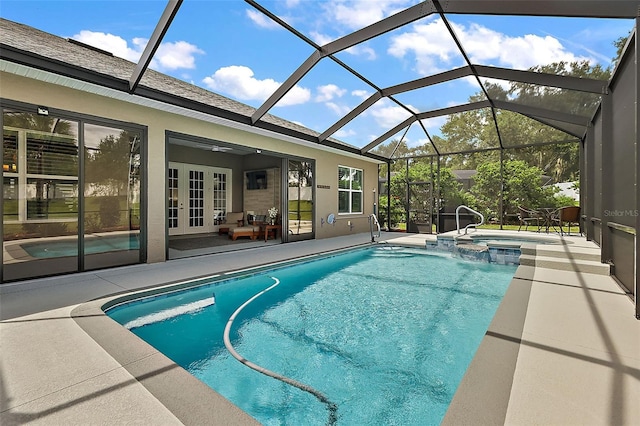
pixel 351 190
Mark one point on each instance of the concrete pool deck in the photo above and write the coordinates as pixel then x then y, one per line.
pixel 563 348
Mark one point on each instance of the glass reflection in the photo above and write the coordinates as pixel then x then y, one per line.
pixel 111 196
pixel 300 207
pixel 40 191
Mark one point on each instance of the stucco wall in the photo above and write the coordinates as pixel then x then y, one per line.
pixel 22 89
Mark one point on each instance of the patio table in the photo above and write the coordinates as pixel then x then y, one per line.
pixel 547 214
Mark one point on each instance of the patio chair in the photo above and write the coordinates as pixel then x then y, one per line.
pixel 233 220
pixel 569 215
pixel 527 216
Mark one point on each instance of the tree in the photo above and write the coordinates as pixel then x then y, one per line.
pixel 106 166
pixel 111 173
pixel 619 44
pixel 522 187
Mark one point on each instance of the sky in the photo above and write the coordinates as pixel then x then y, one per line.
pixel 230 48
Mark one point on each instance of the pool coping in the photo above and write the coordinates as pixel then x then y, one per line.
pixel 482 396
pixel 189 399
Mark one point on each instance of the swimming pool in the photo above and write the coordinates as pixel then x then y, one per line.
pixel 385 334
pixel 45 248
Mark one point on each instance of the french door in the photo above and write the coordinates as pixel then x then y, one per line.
pixel 199 198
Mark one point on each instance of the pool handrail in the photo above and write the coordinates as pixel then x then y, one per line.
pixel 471 224
pixel 374 219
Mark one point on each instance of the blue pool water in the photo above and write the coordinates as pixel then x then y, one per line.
pixel 47 249
pixel 386 335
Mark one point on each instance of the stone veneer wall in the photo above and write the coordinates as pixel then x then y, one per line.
pixel 261 200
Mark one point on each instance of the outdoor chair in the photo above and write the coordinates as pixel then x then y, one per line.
pixel 252 228
pixel 527 216
pixel 569 215
pixel 233 220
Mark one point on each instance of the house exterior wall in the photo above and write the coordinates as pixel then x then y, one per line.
pixel 27 90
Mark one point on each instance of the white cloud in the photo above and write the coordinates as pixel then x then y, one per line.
pixel 434 124
pixel 168 56
pixel 262 20
pixel 362 50
pixel 418 142
pixel 430 43
pixel 486 46
pixel 363 94
pixel 321 39
pixel 329 92
pixel 239 82
pixel 176 55
pixel 112 43
pixel 342 133
pixel 340 110
pixel 434 50
pixel 360 13
pixel 387 115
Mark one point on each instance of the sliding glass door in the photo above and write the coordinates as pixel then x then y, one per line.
pixel 300 197
pixel 111 232
pixel 65 212
pixel 40 195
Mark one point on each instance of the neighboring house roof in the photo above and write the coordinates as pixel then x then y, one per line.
pixel 32 47
pixel 568 189
pixel 464 174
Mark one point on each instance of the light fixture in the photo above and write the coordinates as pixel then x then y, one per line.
pixel 258 151
pixel 43 110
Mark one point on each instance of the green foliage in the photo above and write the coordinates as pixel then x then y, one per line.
pixel 451 192
pixel 300 210
pixel 619 45
pixel 539 150
pixel 564 200
pixel 43 123
pixel 92 223
pixel 522 187
pixel 108 166
pixel 552 150
pixel 109 212
pixel 397 211
pixel 51 229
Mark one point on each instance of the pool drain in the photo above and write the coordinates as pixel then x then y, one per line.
pixel 332 407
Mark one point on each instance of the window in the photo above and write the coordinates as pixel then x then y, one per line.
pixel 349 190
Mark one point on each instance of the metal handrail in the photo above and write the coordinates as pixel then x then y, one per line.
pixel 471 224
pixel 373 219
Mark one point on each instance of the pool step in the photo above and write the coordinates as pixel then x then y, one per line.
pixel 565 257
pixel 563 251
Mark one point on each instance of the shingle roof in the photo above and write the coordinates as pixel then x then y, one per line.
pixel 74 54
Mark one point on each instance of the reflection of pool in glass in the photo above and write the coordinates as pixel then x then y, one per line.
pixel 96 244
pixel 385 334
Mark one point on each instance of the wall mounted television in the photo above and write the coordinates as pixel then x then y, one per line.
pixel 257 179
